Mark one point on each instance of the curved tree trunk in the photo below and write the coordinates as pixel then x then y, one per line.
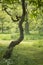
pixel 14 43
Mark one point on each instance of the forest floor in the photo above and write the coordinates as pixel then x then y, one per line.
pixel 26 53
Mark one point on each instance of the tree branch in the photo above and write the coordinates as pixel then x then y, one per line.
pixel 5 9
pixel 17 17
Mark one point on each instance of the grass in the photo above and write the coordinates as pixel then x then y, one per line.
pixel 26 53
pixel 16 35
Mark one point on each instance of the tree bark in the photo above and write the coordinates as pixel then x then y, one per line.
pixel 9 50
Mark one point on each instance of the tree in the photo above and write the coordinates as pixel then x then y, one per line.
pixel 14 43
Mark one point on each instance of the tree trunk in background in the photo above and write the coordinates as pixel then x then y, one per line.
pixel 14 43
pixel 27 27
pixel 26 21
pixel 2 27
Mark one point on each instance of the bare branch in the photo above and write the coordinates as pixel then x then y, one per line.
pixel 17 17
pixel 5 9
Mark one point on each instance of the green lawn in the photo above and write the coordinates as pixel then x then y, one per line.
pixel 26 53
pixel 16 35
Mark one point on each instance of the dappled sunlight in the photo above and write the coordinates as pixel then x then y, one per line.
pixel 31 42
pixel 27 42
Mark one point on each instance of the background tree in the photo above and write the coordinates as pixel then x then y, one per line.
pixel 26 20
pixel 1 24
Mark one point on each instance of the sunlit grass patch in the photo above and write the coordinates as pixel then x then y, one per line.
pixel 26 53
pixel 16 36
pixel 5 36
